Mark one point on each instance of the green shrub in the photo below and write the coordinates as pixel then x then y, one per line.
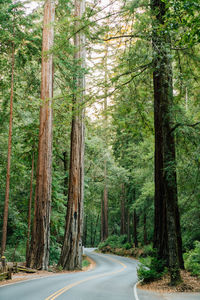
pixel 17 254
pixel 127 246
pixel 192 260
pixel 148 250
pixel 85 263
pixel 150 269
pixel 55 249
pixel 114 242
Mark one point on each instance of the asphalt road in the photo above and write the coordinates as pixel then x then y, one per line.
pixel 113 278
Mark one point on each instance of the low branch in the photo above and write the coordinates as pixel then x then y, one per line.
pixel 122 36
pixel 134 70
pixel 181 124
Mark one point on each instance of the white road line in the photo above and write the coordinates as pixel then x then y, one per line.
pixel 135 290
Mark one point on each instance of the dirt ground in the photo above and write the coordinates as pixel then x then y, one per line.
pixel 189 284
pixel 21 276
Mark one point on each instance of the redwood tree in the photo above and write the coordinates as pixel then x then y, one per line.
pixel 30 207
pixel 104 204
pixel 71 254
pixel 122 223
pixel 39 251
pixel 167 237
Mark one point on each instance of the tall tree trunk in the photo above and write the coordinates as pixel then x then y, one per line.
pixel 6 203
pixel 122 227
pixel 102 219
pixel 65 165
pixel 71 254
pixel 128 225
pixel 135 228
pixel 95 230
pixel 104 215
pixel 105 202
pixel 166 203
pixel 91 232
pixel 85 231
pixel 145 229
pixel 39 251
pixel 29 209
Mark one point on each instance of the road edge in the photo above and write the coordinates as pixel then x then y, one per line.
pixel 135 290
pixel 90 267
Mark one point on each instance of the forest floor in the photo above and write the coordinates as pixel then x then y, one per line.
pixel 22 276
pixel 189 284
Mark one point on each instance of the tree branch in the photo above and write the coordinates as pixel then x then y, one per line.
pixel 181 124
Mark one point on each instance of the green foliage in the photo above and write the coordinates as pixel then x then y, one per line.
pixel 192 259
pixel 16 254
pixel 85 263
pixel 150 269
pixel 55 250
pixel 114 242
pixel 148 250
pixel 127 246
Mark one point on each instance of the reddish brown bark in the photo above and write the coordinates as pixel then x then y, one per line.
pixel 85 231
pixel 65 164
pixel 39 251
pixel 71 254
pixel 122 227
pixel 135 228
pixel 167 238
pixel 128 226
pixel 102 219
pixel 29 208
pixel 104 205
pixel 6 203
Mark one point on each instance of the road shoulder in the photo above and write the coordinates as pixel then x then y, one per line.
pixel 21 277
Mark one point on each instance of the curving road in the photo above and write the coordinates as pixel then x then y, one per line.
pixel 113 278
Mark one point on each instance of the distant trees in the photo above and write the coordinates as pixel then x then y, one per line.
pixel 14 35
pixel 6 203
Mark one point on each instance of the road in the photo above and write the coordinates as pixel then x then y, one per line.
pixel 113 278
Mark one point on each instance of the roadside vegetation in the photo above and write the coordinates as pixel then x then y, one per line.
pixel 151 268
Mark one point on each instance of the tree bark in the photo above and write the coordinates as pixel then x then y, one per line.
pixel 145 229
pixel 95 230
pixel 102 219
pixel 39 251
pixel 135 228
pixel 71 254
pixel 29 209
pixel 122 227
pixel 91 232
pixel 128 225
pixel 85 231
pixel 65 165
pixel 6 203
pixel 104 207
pixel 105 202
pixel 166 239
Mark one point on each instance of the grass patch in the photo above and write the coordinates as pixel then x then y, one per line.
pixel 85 263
